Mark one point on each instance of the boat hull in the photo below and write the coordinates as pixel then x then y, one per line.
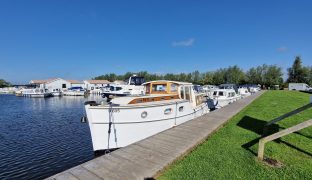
pixel 128 125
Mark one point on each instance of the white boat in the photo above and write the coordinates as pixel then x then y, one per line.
pixel 37 92
pixel 134 87
pixel 209 89
pixel 253 89
pixel 223 97
pixel 56 92
pixel 243 91
pixel 74 91
pixel 126 120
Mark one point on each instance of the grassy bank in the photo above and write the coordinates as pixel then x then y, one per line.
pixel 231 152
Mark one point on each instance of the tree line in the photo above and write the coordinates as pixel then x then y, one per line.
pixel 267 75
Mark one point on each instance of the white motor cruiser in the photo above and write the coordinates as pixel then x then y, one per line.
pixel 223 97
pixel 37 92
pixel 132 88
pixel 243 91
pixel 209 89
pixel 74 91
pixel 129 119
pixel 56 92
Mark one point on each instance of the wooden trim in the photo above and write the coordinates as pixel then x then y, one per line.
pixel 153 99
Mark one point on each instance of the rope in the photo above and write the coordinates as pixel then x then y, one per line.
pixel 110 112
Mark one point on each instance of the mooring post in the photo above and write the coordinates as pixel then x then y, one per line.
pixel 261 149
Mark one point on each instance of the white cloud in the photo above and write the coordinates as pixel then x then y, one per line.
pixel 185 43
pixel 282 49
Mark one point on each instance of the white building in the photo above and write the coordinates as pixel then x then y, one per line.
pixel 95 84
pixel 75 83
pixel 56 84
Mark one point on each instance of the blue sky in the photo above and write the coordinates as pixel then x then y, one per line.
pixel 81 39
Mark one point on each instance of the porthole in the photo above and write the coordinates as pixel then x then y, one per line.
pixel 181 108
pixel 144 114
pixel 167 111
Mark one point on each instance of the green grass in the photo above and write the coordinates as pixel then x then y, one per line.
pixel 226 155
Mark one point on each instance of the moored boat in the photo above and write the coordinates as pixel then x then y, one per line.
pixel 74 91
pixel 126 120
pixel 132 88
pixel 37 92
pixel 223 97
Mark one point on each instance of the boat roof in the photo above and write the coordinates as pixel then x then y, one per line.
pixel 123 104
pixel 224 90
pixel 127 99
pixel 162 81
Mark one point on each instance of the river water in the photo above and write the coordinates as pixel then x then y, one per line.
pixel 40 137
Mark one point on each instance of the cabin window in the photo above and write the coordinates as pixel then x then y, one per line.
pixel 182 92
pixel 92 88
pixel 147 88
pixel 215 93
pixel 187 93
pixel 63 85
pixel 159 87
pixel 199 100
pixel 221 93
pixel 181 108
pixel 118 88
pixel 174 87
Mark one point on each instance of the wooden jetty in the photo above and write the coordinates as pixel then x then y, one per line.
pixel 147 158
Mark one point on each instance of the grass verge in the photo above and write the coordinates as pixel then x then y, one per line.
pixel 231 152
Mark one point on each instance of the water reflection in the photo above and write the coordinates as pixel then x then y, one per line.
pixel 42 136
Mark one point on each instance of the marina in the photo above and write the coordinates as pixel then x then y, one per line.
pixel 145 90
pixel 146 158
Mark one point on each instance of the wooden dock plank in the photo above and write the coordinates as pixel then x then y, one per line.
pixel 147 157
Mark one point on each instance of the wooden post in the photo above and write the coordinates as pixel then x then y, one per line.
pixel 280 134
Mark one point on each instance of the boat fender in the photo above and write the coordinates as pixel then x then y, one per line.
pixel 84 119
pixel 91 103
pixel 217 102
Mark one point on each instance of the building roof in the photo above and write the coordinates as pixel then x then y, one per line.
pixel 42 81
pixel 74 82
pixel 98 81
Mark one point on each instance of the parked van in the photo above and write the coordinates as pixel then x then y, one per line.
pixel 299 87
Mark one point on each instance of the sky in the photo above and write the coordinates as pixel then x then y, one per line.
pixel 74 39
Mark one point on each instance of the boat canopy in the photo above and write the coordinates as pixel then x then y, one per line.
pixel 163 87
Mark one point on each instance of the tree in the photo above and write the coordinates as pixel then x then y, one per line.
pixel 207 78
pixel 297 73
pixel 234 75
pixel 4 83
pixel 273 76
pixel 310 76
pixel 219 76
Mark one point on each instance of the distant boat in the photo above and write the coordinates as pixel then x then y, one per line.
pixel 132 88
pixel 74 91
pixel 56 92
pixel 208 89
pixel 243 91
pixel 223 97
pixel 126 120
pixel 37 92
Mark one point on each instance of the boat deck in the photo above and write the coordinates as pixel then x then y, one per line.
pixel 146 158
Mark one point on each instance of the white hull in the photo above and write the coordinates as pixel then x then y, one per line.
pixel 129 127
pixel 74 93
pixel 56 94
pixel 36 95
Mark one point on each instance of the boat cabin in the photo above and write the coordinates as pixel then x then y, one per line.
pixel 226 93
pixel 162 90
